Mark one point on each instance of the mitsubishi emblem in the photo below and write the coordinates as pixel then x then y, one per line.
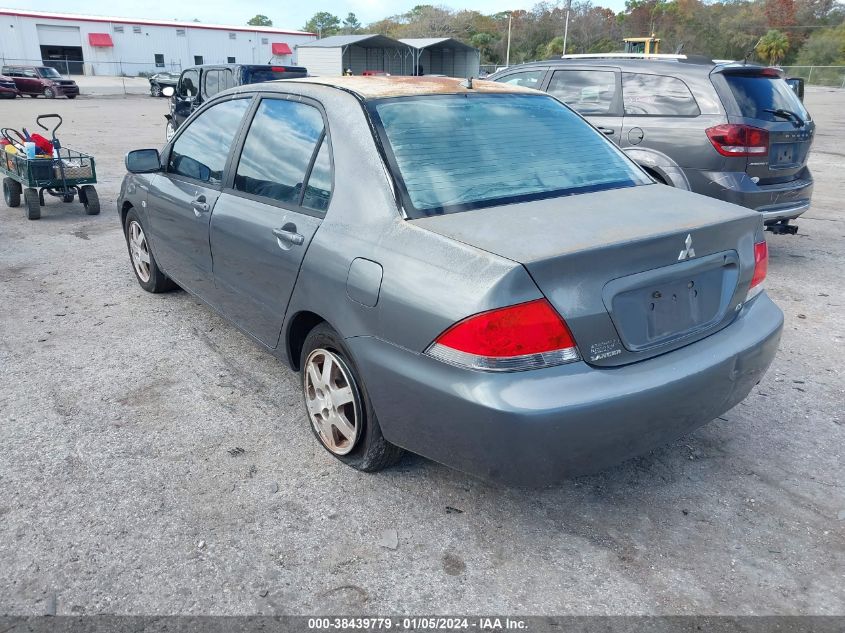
pixel 689 251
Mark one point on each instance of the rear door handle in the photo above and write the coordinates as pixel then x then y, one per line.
pixel 292 237
pixel 199 205
pixel 607 130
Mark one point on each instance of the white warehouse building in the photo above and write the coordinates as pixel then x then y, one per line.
pixel 93 45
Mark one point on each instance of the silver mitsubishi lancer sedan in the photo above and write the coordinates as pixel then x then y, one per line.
pixel 462 269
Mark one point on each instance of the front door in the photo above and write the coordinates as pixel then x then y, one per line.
pixel 187 95
pixel 265 219
pixel 181 199
pixel 594 93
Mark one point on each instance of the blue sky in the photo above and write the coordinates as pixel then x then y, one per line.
pixel 289 15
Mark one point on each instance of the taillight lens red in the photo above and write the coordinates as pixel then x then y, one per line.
pixel 278 69
pixel 761 267
pixel 739 140
pixel 524 336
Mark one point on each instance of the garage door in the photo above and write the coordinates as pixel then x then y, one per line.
pixel 50 35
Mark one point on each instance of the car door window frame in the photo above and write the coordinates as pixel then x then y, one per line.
pixel 238 146
pixel 168 149
pixel 663 115
pixel 615 109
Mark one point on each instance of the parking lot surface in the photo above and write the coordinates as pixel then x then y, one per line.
pixel 154 461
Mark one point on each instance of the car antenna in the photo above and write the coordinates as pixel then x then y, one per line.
pixel 748 52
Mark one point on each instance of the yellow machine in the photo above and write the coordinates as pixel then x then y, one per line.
pixel 647 45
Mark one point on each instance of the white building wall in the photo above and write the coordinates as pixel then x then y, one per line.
pixel 324 62
pixel 134 52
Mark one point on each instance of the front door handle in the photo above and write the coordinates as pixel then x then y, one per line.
pixel 199 205
pixel 607 130
pixel 292 237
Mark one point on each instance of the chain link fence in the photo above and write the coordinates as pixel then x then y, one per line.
pixel 830 76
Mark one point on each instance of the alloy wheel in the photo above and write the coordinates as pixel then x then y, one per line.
pixel 140 251
pixel 169 131
pixel 331 402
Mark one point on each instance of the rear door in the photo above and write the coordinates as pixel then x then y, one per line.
pixel 661 114
pixel 182 198
pixel 595 93
pixel 273 203
pixel 762 99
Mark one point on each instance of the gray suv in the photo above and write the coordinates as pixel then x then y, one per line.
pixel 732 131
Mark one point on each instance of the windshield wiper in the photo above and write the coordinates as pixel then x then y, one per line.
pixel 786 114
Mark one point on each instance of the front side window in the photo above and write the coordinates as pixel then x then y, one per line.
pixel 49 73
pixel 526 79
pixel 279 150
pixel 200 152
pixel 585 91
pixel 656 95
pixel 459 152
pixel 189 84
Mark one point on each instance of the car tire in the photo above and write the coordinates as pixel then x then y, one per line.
pixel 49 93
pixel 150 277
pixel 12 192
pixel 169 131
pixel 90 200
pixel 155 90
pixel 33 203
pixel 338 408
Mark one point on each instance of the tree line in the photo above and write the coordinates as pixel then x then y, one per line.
pixel 806 32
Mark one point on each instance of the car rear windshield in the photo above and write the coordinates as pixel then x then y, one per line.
pixel 758 95
pixel 459 152
pixel 258 75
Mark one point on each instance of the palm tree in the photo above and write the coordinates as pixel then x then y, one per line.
pixel 773 46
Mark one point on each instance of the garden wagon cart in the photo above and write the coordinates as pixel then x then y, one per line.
pixel 66 174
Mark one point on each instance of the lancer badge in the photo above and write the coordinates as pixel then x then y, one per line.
pixel 689 251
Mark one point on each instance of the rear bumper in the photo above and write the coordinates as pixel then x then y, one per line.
pixel 776 202
pixel 9 93
pixel 535 428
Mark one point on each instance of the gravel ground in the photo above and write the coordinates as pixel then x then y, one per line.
pixel 154 461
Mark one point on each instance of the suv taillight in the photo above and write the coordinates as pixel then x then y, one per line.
pixel 524 336
pixel 761 267
pixel 739 140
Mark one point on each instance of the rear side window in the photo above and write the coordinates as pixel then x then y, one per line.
pixel 279 152
pixel 459 152
pixel 211 78
pixel 587 91
pixel 200 152
pixel 756 95
pixel 526 79
pixel 656 95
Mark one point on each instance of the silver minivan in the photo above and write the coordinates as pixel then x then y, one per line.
pixel 732 131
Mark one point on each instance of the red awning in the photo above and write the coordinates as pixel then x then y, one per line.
pixel 100 39
pixel 280 48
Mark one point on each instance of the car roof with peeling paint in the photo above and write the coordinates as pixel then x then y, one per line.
pixel 379 87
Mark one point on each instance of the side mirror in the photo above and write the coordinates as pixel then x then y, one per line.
pixel 168 91
pixel 797 85
pixel 143 161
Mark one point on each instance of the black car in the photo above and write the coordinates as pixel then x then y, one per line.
pixel 162 80
pixel 199 83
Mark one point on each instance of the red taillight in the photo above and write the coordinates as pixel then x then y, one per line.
pixel 278 69
pixel 524 336
pixel 739 140
pixel 761 264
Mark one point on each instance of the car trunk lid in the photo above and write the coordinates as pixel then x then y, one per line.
pixel 634 272
pixel 764 100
